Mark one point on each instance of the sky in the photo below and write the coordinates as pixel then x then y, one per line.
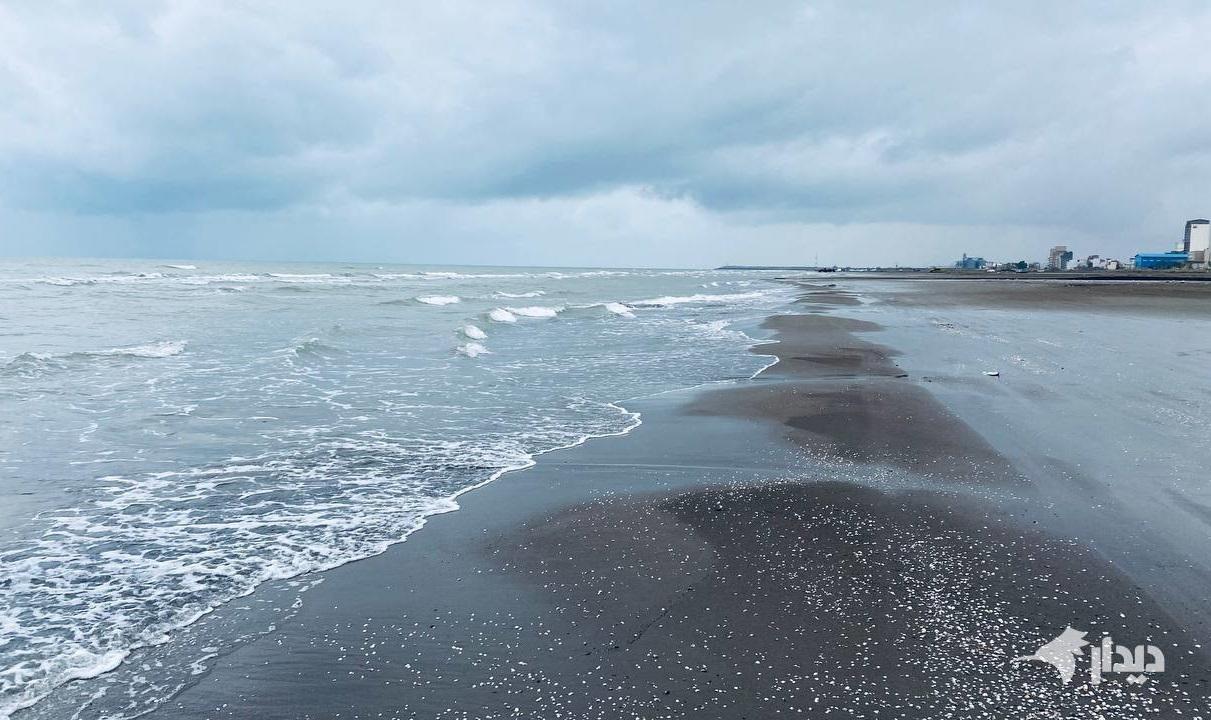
pixel 669 134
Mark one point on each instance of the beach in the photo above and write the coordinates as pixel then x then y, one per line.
pixel 649 361
pixel 872 526
pixel 706 566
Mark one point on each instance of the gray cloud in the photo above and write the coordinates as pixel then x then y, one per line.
pixel 1082 118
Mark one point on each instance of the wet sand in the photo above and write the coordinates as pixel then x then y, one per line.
pixel 828 540
pixel 1080 295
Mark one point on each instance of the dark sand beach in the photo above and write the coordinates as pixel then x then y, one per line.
pixel 830 539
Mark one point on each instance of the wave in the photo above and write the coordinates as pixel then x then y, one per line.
pixel 322 278
pixel 308 348
pixel 219 279
pixel 552 274
pixel 327 484
pixel 180 573
pixel 587 274
pixel 444 275
pixel 313 278
pixel 619 309
pixel 110 279
pixel 162 349
pixel 29 364
pixel 700 298
pixel 395 276
pixel 65 282
pixel 439 299
pixel 32 363
pixel 473 349
pixel 514 296
pixel 535 311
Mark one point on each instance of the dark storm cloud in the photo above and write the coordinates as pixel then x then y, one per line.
pixel 1081 115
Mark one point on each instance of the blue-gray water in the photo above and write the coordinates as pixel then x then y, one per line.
pixel 173 435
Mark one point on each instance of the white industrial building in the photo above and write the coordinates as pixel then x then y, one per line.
pixel 1197 242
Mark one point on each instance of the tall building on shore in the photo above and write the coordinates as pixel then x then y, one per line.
pixel 1198 235
pixel 1197 242
pixel 971 263
pixel 1058 258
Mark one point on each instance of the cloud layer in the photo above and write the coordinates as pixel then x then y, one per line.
pixel 547 131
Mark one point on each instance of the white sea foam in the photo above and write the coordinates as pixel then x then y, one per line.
pixel 182 267
pixel 439 299
pixel 619 309
pixel 31 364
pixel 719 329
pixel 473 349
pixel 532 293
pixel 443 275
pixel 165 348
pixel 109 279
pixel 669 300
pixel 336 464
pixel 221 279
pixel 535 311
pixel 168 522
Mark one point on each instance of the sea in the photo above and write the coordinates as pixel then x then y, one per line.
pixel 174 435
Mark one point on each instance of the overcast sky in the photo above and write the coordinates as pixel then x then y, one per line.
pixel 615 133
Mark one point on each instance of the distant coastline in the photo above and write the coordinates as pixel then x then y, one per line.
pixel 954 273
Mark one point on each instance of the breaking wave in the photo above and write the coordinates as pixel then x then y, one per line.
pixel 473 349
pixel 166 348
pixel 29 364
pixel 439 299
pixel 535 311
pixel 514 296
pixel 312 445
pixel 619 309
pixel 701 298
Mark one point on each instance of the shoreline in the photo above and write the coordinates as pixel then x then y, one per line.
pixel 616 571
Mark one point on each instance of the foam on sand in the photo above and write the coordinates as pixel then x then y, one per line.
pixel 439 299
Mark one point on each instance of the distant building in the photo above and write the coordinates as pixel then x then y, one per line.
pixel 1197 242
pixel 1198 236
pixel 1059 257
pixel 1161 261
pixel 971 263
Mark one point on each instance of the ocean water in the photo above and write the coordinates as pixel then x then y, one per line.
pixel 173 436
